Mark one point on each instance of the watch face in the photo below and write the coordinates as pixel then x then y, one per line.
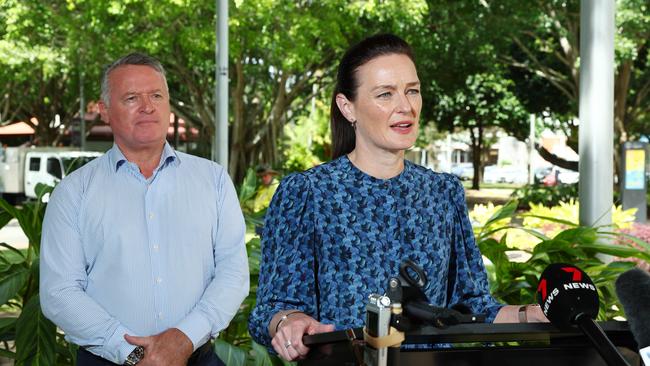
pixel 135 356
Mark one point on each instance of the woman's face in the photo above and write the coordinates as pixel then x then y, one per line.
pixel 387 106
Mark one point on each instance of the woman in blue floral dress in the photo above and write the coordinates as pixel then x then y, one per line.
pixel 336 233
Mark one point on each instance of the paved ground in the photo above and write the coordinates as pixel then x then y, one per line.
pixel 13 235
pixel 497 196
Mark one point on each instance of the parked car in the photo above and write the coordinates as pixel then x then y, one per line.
pixel 559 175
pixel 464 171
pixel 567 176
pixel 541 173
pixel 505 174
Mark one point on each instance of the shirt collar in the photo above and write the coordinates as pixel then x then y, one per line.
pixel 168 156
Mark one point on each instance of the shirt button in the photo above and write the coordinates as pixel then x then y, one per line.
pixel 155 247
pixel 160 315
pixel 159 280
pixel 151 215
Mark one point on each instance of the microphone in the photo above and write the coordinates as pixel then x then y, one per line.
pixel 568 297
pixel 633 290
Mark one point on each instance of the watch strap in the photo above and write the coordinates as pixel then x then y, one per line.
pixel 135 356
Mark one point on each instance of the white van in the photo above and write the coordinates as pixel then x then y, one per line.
pixel 22 168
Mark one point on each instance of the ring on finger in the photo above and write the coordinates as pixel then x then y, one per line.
pixel 287 344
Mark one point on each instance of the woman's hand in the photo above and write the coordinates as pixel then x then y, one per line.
pixel 287 341
pixel 532 313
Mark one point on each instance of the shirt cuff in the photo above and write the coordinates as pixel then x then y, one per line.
pixel 116 348
pixel 196 327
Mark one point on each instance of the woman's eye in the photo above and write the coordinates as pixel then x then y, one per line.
pixel 413 91
pixel 384 95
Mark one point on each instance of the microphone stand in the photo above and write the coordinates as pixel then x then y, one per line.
pixel 603 345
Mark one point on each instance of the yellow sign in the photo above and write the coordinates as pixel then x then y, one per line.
pixel 634 168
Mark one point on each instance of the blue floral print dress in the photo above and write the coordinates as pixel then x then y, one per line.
pixel 333 235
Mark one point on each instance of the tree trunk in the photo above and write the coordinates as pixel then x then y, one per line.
pixel 237 140
pixel 476 135
pixel 621 90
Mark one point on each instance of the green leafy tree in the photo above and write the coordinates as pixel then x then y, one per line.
pixel 484 102
pixel 546 56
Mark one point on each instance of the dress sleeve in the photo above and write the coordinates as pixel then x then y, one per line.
pixel 287 268
pixel 468 281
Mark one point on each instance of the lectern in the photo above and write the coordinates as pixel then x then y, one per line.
pixel 530 344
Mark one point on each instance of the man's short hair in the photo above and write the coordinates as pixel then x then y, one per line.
pixel 135 58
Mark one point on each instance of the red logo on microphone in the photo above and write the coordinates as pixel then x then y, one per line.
pixel 577 276
pixel 542 288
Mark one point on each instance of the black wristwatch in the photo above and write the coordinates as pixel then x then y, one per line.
pixel 134 357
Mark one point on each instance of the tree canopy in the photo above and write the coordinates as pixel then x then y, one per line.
pixel 283 55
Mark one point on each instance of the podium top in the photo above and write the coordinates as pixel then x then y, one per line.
pixel 618 332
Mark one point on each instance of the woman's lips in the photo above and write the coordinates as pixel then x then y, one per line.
pixel 402 127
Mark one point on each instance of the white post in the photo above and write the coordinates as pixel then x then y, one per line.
pixel 220 142
pixel 449 154
pixel 82 112
pixel 531 149
pixel 596 111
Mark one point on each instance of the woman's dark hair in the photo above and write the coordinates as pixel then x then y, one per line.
pixel 343 138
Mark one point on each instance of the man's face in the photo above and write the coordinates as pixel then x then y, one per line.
pixel 267 179
pixel 138 110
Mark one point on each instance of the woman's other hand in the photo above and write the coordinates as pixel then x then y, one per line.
pixel 287 340
pixel 531 313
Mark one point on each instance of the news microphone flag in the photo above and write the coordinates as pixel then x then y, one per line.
pixel 568 297
pixel 564 292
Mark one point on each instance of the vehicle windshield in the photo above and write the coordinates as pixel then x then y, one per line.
pixel 72 164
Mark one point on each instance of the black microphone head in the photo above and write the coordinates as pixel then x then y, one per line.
pixel 633 290
pixel 564 292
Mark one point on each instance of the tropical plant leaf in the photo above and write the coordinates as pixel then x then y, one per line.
pixel 487 232
pixel 42 189
pixel 642 243
pixel 5 217
pixel 12 281
pixel 248 187
pixel 506 211
pixel 260 356
pixel 7 323
pixel 7 354
pixel 35 336
pixel 580 234
pixel 535 233
pixel 552 219
pixel 229 354
pixel 617 250
pixel 9 247
pixel 7 329
pixel 7 208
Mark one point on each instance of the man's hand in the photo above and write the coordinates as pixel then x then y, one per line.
pixel 169 348
pixel 287 342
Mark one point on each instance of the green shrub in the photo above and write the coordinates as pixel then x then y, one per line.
pixel 36 339
pixel 516 282
pixel 234 345
pixel 547 196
